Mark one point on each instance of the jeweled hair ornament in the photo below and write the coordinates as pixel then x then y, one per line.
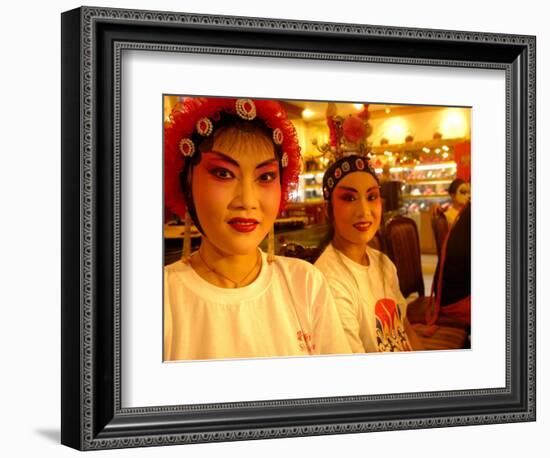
pixel 342 167
pixel 196 119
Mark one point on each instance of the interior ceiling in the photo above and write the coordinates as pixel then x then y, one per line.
pixel 295 108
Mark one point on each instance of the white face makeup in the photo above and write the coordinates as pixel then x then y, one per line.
pixel 236 197
pixel 357 208
pixel 462 195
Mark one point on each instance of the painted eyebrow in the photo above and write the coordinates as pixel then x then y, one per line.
pixel 225 157
pixel 348 188
pixel 268 162
pixel 229 159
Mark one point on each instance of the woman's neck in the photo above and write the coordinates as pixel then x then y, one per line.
pixel 355 251
pixel 457 206
pixel 223 270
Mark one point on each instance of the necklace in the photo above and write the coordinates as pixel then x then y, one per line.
pixel 219 274
pixel 364 261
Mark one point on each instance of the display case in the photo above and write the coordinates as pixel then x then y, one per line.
pixel 424 185
pixel 311 187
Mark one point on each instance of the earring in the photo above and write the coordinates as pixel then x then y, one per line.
pixel 271 245
pixel 186 254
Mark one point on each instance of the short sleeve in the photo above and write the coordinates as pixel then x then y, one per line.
pixel 390 272
pixel 347 308
pixel 167 350
pixel 326 321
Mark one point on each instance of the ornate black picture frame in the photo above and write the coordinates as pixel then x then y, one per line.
pixel 92 42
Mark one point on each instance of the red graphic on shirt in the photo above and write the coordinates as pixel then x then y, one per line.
pixel 390 331
pixel 305 341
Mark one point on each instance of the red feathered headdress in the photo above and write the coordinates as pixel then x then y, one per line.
pixel 199 117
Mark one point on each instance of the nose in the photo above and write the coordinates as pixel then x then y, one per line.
pixel 362 208
pixel 247 196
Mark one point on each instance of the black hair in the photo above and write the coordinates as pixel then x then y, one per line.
pixel 455 184
pixel 344 166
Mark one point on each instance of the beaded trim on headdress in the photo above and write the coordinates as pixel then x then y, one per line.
pixel 245 109
pixel 342 167
pixel 197 118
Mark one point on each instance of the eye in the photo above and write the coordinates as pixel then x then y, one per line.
pixel 373 196
pixel 347 197
pixel 267 177
pixel 222 173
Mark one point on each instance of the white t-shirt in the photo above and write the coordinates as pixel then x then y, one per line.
pixel 287 311
pixel 368 298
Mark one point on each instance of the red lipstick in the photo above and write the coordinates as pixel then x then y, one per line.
pixel 362 226
pixel 243 224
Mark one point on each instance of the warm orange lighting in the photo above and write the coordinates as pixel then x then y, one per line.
pixel 395 130
pixel 454 123
pixel 307 113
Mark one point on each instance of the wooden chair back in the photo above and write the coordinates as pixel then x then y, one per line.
pixel 403 245
pixel 440 227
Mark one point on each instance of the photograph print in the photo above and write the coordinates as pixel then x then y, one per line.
pixel 297 228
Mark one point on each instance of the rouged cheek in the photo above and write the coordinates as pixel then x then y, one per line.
pixel 204 181
pixel 343 214
pixel 210 194
pixel 377 212
pixel 270 197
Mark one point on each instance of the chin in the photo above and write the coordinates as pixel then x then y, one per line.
pixel 371 236
pixel 241 245
pixel 363 239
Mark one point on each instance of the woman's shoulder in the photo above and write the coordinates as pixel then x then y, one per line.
pixel 326 261
pixel 301 276
pixel 177 268
pixel 334 270
pixel 381 261
pixel 377 255
pixel 295 266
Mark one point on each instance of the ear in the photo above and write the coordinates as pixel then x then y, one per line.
pixel 329 212
pixel 326 210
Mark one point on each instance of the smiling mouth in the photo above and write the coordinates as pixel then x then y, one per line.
pixel 243 224
pixel 362 226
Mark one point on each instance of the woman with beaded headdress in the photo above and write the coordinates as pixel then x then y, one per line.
pixel 230 165
pixel 363 280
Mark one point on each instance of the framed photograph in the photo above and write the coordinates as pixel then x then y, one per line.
pixel 274 228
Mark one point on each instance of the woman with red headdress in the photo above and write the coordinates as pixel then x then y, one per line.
pixel 230 165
